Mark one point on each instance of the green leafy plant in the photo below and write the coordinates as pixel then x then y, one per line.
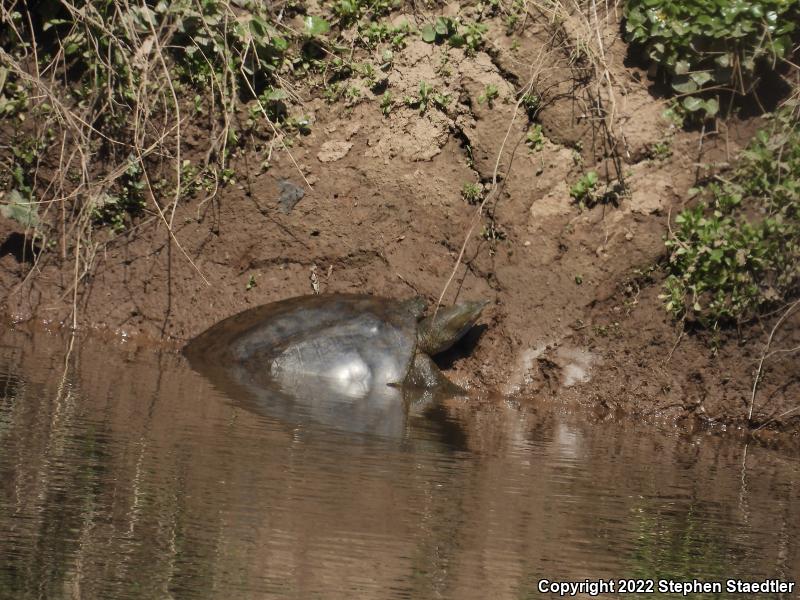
pixel 661 150
pixel 349 11
pixel 738 250
pixel 445 29
pixel 19 202
pixel 15 206
pixel 704 45
pixel 427 96
pixel 14 98
pixel 368 72
pixel 211 41
pixel 584 190
pixel 352 94
pixel 489 95
pixel 472 193
pixel 442 29
pixel 534 139
pixel 376 33
pixel 472 34
pixel 387 59
pixel 386 103
pixel 116 207
pixel 532 103
pixel 300 124
pixel 514 13
pixel 332 92
pixel 273 102
pixel 315 26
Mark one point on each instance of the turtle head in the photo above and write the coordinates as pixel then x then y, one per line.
pixel 440 331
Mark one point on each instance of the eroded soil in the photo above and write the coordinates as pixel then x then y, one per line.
pixel 573 289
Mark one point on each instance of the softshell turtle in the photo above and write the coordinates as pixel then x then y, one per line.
pixel 350 344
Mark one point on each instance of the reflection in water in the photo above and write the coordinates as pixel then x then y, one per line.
pixel 378 409
pixel 127 475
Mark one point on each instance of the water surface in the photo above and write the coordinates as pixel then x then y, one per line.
pixel 124 474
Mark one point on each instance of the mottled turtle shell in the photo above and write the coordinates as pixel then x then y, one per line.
pixel 353 340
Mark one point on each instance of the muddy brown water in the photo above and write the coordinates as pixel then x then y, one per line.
pixel 124 474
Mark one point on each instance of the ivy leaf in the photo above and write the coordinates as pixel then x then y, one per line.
pixel 701 77
pixel 316 25
pixel 258 27
pixel 274 95
pixel 723 60
pixel 780 44
pixel 54 22
pixel 683 84
pixel 682 67
pixel 428 34
pixel 280 43
pixel 693 104
pixel 657 51
pixel 22 211
pixel 711 107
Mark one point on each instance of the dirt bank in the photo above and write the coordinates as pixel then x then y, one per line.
pixel 573 288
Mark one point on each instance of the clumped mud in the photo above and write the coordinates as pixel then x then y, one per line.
pixel 574 309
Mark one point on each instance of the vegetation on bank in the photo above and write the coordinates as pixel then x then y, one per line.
pixel 100 94
pixel 97 96
pixel 704 47
pixel 736 252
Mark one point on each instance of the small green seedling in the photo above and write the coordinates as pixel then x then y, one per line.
pixel 352 95
pixel 534 139
pixel 489 95
pixel 443 28
pixel 426 96
pixel 456 34
pixel 583 190
pixel 661 150
pixel 532 104
pixel 386 104
pixel 472 193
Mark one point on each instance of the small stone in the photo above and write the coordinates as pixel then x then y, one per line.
pixel 290 195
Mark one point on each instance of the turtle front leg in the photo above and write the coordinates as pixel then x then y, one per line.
pixel 426 375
